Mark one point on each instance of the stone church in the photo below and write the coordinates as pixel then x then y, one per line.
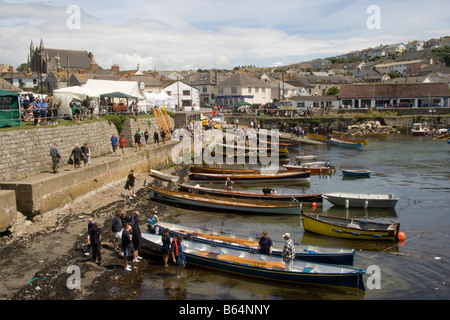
pixel 44 60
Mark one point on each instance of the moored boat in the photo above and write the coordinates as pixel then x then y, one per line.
pixel 163 176
pixel 315 169
pixel 200 169
pixel 350 228
pixel 356 173
pixel 418 130
pixel 303 252
pixel 223 203
pixel 362 200
pixel 296 176
pixel 323 138
pixel 243 262
pixel 315 197
pixel 306 157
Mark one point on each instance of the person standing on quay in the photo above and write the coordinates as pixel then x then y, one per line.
pixel 166 247
pixel 56 157
pixel 95 240
pixel 146 136
pixel 90 226
pixel 114 144
pixel 77 155
pixel 122 144
pixel 156 137
pixel 87 154
pixel 288 253
pixel 137 140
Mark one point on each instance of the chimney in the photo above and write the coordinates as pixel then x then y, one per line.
pixel 115 68
pixel 94 67
pixel 11 69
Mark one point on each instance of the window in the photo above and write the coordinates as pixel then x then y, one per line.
pixel 205 89
pixel 220 90
pixel 186 92
pixel 169 93
pixel 233 89
pixel 249 90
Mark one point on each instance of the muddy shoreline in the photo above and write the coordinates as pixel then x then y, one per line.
pixel 36 265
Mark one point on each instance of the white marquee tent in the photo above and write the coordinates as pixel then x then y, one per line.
pixel 129 87
pixel 158 100
pixel 66 95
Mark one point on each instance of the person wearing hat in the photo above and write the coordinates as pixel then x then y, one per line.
pixel 288 253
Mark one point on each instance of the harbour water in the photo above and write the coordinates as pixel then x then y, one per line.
pixel 415 169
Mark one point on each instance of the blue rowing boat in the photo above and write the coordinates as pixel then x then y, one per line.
pixel 221 238
pixel 245 263
pixel 356 173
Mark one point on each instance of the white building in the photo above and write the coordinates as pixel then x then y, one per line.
pixel 185 95
pixel 242 87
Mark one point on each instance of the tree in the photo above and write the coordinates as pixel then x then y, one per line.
pixel 332 91
pixel 22 67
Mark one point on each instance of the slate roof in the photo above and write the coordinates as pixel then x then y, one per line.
pixel 243 80
pixel 77 58
pixel 401 90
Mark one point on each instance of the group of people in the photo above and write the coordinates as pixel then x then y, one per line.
pixel 39 110
pixel 78 154
pixel 127 241
pixel 127 236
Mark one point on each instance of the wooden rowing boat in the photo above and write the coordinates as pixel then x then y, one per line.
pixel 290 177
pixel 162 176
pixel 356 173
pixel 323 138
pixel 245 263
pixel 303 252
pixel 350 228
pixel 224 203
pixel 362 200
pixel 200 169
pixel 313 168
pixel 315 197
pixel 340 134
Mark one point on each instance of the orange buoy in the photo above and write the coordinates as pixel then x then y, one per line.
pixel 314 204
pixel 401 236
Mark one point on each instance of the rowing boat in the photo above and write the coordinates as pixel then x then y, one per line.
pixel 334 141
pixel 303 252
pixel 314 197
pixel 200 169
pixel 243 262
pixel 296 176
pixel 162 176
pixel 362 200
pixel 315 169
pixel 356 173
pixel 223 203
pixel 350 228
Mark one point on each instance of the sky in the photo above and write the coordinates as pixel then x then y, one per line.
pixel 204 34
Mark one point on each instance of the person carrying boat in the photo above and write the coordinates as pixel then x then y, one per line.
pixel 265 244
pixel 288 253
pixel 229 184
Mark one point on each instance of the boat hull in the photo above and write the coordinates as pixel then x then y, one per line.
pixel 315 197
pixel 163 176
pixel 251 265
pixel 356 173
pixel 223 204
pixel 253 178
pixel 362 200
pixel 313 169
pixel 304 252
pixel 339 228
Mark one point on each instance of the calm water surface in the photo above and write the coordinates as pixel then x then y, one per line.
pixel 415 169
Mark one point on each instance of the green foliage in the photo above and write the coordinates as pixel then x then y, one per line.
pixel 117 119
pixel 332 91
